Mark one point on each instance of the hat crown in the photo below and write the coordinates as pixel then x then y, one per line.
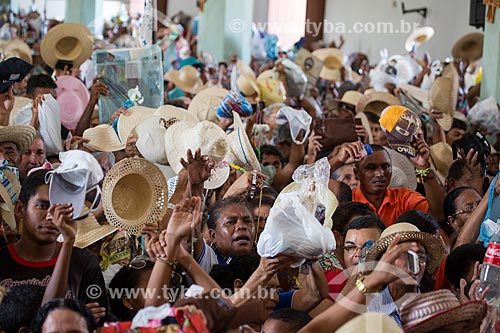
pixel 427 305
pixel 399 227
pixel 352 97
pixel 188 75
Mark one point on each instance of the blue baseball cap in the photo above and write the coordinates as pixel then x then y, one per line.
pixel 13 70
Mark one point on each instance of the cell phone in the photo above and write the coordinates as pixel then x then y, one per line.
pixel 357 122
pixel 412 262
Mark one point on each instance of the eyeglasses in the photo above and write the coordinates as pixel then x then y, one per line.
pixel 352 249
pixel 467 210
pixel 423 258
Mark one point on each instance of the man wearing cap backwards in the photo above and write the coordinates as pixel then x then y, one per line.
pixel 374 173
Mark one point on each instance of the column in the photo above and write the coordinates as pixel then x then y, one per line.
pixel 490 84
pixel 88 13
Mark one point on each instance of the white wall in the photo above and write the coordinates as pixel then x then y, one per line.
pixel 449 18
pixel 187 6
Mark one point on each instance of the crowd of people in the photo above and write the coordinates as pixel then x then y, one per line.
pixel 308 190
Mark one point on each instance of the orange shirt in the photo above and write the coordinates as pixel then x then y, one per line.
pixel 396 202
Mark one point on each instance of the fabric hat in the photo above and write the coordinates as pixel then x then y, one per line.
pixel 220 314
pixel 299 122
pixel 437 309
pixel 21 135
pixel 205 135
pixel 90 231
pixel 366 125
pixel 443 96
pixel 205 103
pixel 401 162
pixel 151 138
pixel 271 90
pixel 408 232
pixel 234 101
pixel 418 37
pixel 13 70
pixel 187 79
pixel 134 193
pixel 332 63
pixel 73 97
pixel 102 138
pixel 170 111
pixel 372 322
pixel 49 116
pixel 68 42
pixel 7 206
pixel 376 102
pixel 126 123
pixel 469 47
pixel 240 150
pixel 18 48
pixel 441 160
pixel 247 81
pixel 19 103
pixel 78 172
pixel 400 126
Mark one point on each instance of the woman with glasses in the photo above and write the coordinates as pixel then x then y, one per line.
pixel 457 207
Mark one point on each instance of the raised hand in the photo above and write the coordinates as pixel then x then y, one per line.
pixel 62 217
pixel 423 153
pixel 346 153
pixel 199 167
pixel 98 88
pixel 186 216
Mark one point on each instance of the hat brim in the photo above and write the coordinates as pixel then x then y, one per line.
pixel 469 47
pixel 205 104
pixel 366 125
pixel 176 112
pixel 472 312
pixel 241 149
pixel 385 99
pixel 90 231
pixel 71 102
pixel 126 123
pixel 63 192
pixel 418 37
pixel 173 76
pixel 333 73
pixel 404 164
pixel 446 122
pixel 102 138
pixel 218 178
pixel 21 135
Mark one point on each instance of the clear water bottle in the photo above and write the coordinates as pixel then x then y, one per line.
pixel 490 273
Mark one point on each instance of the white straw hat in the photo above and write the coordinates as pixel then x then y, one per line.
pixel 126 123
pixel 102 138
pixel 205 103
pixel 170 111
pixel 241 150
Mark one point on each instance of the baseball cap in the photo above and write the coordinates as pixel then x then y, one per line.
pixel 13 70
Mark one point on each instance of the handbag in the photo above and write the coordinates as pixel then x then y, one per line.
pixel 334 131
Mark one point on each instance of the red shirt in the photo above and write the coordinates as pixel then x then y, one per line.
pixel 396 202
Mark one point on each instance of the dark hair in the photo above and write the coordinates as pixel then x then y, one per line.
pixel 423 221
pixel 266 201
pixel 459 261
pixel 39 81
pixel 60 303
pixel 449 206
pixel 379 148
pixel 240 267
pixel 31 184
pixel 364 222
pixel 296 319
pixel 345 193
pixel 372 117
pixel 346 211
pixel 457 169
pixel 178 102
pixel 19 306
pixel 270 150
pixel 215 210
pixel 126 278
pixel 457 123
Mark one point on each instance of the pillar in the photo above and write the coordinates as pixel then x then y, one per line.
pixel 490 84
pixel 88 13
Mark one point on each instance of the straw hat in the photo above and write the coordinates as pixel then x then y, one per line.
pixel 102 138
pixel 134 193
pixel 372 322
pixel 443 96
pixel 376 102
pixel 240 150
pixel 205 103
pixel 205 135
pixel 126 123
pixel 18 48
pixel 7 206
pixel 151 136
pixel 469 47
pixel 247 80
pixel 19 103
pixel 408 232
pixel 187 79
pixel 244 68
pixel 402 163
pixel 441 160
pixel 21 135
pixel 72 97
pixel 332 63
pixel 350 97
pixel 66 41
pixel 366 125
pixel 437 309
pixel 271 90
pixel 90 231
pixel 421 95
pixel 268 74
pixel 418 37
pixel 170 111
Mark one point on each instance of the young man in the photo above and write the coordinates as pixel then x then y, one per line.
pixel 32 260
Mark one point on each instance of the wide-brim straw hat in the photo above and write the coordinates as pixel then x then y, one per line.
pixel 271 91
pixel 247 80
pixel 21 135
pixel 204 104
pixel 134 193
pixel 376 102
pixel 126 123
pixel 366 125
pixel 67 41
pixel 402 162
pixel 419 94
pixel 187 79
pixel 372 322
pixel 7 206
pixel 72 97
pixel 90 231
pixel 102 138
pixel 441 159
pixel 170 111
pixel 244 68
pixel 408 233
pixel 205 135
pixel 418 37
pixel 351 97
pixel 469 47
pixel 443 96
pixel 241 151
pixel 19 103
pixel 437 309
pixel 19 49
pixel 332 63
pixel 151 138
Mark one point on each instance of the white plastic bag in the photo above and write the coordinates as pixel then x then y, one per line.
pixel 486 113
pixel 292 230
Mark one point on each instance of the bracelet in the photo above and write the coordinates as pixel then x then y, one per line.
pixel 172 264
pixel 170 206
pixel 423 174
pixel 361 286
